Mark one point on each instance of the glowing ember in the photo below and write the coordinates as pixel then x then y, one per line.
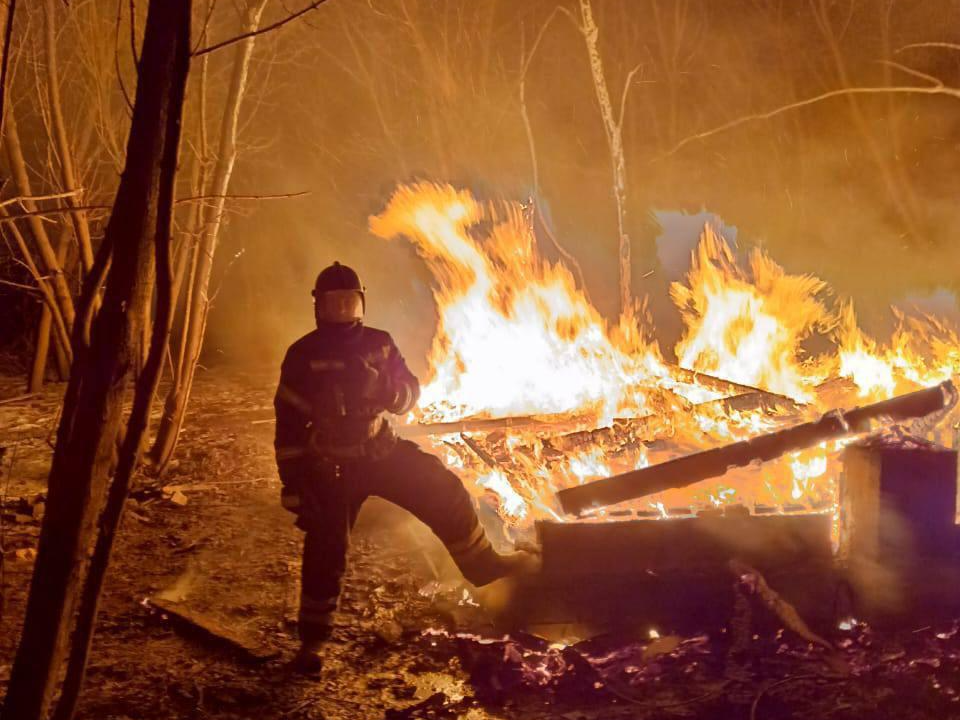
pixel 516 337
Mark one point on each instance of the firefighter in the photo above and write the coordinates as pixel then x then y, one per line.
pixel 334 448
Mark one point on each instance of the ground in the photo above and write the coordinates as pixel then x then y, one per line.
pixel 210 542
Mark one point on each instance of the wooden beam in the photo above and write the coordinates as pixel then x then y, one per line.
pixel 484 425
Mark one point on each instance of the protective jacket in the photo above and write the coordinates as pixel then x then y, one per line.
pixel 335 385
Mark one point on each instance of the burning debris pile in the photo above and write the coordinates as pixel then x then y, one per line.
pixel 532 395
pixel 716 676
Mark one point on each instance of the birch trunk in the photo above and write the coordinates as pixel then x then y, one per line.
pixel 612 130
pixel 68 177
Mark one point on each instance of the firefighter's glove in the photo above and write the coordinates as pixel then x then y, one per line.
pixel 290 500
pixel 390 394
pixel 364 377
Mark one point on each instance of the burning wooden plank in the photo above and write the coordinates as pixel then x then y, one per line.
pixel 711 382
pixel 483 425
pixel 744 398
pixel 690 469
pixel 643 427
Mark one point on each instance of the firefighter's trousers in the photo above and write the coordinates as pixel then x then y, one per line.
pixel 407 476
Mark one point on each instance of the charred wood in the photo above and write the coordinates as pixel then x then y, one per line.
pixel 644 428
pixel 690 469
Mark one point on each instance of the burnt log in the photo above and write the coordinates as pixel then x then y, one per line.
pixel 691 469
pixel 746 398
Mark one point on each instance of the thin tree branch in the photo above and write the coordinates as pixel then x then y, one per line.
pixel 260 31
pixel 116 59
pixel 902 90
pixel 21 286
pixel 573 18
pixel 195 198
pixel 34 198
pixel 133 32
pixel 279 196
pixel 625 93
pixel 536 43
pixel 945 45
pixel 206 24
pixel 53 211
pixel 910 71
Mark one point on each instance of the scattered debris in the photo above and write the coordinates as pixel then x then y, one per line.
pixel 434 707
pixel 209 629
pixel 776 604
pixel 174 494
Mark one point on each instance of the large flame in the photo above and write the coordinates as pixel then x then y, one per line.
pixel 922 352
pixel 748 325
pixel 516 337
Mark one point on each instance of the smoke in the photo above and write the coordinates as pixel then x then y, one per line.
pixel 858 192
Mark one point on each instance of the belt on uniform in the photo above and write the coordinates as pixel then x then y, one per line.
pixel 323 446
pixel 341 452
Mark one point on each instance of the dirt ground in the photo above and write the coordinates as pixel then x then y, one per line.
pixel 210 542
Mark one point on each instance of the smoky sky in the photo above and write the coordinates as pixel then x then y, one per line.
pixel 361 95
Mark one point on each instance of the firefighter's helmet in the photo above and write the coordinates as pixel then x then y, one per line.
pixel 339 295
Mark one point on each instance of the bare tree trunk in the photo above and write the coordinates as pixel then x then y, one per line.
pixel 175 406
pixel 41 352
pixel 18 168
pixel 46 291
pixel 68 177
pixel 8 9
pixel 612 126
pixel 85 458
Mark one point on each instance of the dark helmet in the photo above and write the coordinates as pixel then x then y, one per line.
pixel 338 277
pixel 339 295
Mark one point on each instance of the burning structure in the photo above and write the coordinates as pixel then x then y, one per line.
pixel 585 431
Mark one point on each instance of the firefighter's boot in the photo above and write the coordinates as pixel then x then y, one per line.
pixel 309 658
pixel 490 565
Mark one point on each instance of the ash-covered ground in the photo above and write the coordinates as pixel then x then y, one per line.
pixel 197 620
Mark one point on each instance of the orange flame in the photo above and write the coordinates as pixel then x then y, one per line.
pixel 748 325
pixel 516 336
